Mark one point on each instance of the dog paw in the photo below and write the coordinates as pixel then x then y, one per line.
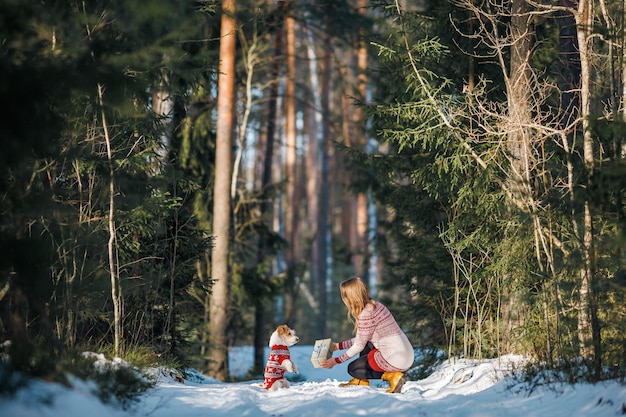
pixel 290 366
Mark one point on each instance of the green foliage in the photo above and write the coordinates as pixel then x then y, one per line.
pixel 20 362
pixel 54 219
pixel 455 249
pixel 426 362
pixel 419 183
pixel 569 371
pixel 11 381
pixel 470 261
pixel 115 382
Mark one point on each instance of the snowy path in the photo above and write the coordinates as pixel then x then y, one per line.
pixel 458 389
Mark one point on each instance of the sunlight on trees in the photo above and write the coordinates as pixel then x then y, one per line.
pixel 185 177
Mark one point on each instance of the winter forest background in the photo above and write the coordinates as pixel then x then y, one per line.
pixel 180 177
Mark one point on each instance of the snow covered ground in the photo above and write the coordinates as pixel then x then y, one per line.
pixel 460 388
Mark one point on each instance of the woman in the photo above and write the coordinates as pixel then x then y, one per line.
pixel 384 350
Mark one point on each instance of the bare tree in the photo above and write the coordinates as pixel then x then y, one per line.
pixel 588 322
pixel 520 127
pixel 116 289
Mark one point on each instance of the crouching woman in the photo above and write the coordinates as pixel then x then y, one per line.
pixel 384 350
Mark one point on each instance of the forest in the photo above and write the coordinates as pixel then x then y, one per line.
pixel 179 177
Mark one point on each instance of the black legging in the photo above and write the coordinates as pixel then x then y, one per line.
pixel 360 368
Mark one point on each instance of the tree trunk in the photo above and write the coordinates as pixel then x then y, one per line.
pixel 292 205
pixel 322 236
pixel 218 356
pixel 588 323
pixel 163 107
pixel 347 200
pixel 622 150
pixel 568 81
pixel 518 90
pixel 361 251
pixel 116 291
pixel 519 138
pixel 260 338
pixel 313 161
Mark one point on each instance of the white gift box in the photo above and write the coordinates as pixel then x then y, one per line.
pixel 321 351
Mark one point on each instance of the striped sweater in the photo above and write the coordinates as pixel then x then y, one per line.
pixel 377 325
pixel 274 369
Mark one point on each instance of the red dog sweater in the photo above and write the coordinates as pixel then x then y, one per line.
pixel 274 370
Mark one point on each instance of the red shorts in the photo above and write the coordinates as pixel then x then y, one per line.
pixel 372 362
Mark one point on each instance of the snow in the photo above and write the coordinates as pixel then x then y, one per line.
pixel 456 388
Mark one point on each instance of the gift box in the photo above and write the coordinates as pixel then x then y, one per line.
pixel 321 351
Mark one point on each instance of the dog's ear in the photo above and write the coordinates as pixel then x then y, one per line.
pixel 283 330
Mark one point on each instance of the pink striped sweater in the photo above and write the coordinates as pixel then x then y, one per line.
pixel 377 325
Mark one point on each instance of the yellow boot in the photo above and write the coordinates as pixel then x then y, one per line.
pixel 356 381
pixel 396 381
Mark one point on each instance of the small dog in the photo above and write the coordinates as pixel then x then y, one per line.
pixel 279 359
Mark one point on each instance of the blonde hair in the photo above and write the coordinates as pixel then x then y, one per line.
pixel 356 297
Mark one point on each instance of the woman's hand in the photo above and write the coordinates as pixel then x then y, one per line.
pixel 328 363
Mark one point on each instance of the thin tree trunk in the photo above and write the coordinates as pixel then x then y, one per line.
pixel 313 159
pixel 260 338
pixel 361 253
pixel 116 291
pixel 218 357
pixel 623 64
pixel 251 60
pixel 322 237
pixel 588 323
pixel 292 205
pixel 347 200
pixel 169 329
pixel 569 79
pixel 205 301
